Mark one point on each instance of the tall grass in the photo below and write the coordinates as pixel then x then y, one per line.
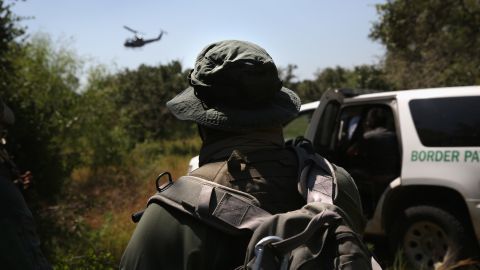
pixel 91 226
pixel 399 263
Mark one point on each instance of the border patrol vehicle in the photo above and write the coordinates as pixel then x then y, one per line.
pixel 420 183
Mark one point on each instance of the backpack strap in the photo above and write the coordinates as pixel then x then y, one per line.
pixel 326 219
pixel 224 208
pixel 316 177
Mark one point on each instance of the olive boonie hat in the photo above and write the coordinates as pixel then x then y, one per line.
pixel 235 86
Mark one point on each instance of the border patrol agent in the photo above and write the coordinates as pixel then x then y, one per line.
pixel 19 243
pixel 237 100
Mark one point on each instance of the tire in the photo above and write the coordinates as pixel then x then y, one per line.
pixel 429 236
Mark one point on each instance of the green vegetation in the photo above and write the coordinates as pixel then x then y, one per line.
pixel 95 149
pixel 362 77
pixel 430 43
pixel 296 127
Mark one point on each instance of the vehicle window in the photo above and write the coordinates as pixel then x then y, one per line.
pixel 447 121
pixel 298 126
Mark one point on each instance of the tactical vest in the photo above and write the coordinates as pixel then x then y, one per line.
pixel 268 175
pixel 228 197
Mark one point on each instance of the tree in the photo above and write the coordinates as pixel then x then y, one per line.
pixel 141 98
pixel 37 83
pixel 360 77
pixel 99 138
pixel 287 76
pixel 329 78
pixel 369 77
pixel 430 42
pixel 42 94
pixel 9 30
pixel 308 91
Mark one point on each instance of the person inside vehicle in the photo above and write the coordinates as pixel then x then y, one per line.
pixel 378 147
pixel 239 104
pixel 374 160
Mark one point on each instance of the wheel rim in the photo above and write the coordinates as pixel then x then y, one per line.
pixel 425 244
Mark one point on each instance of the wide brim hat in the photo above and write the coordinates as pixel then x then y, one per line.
pixel 235 86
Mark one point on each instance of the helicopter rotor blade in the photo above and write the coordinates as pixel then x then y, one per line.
pixel 130 29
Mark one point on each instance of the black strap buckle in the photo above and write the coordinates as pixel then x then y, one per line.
pixel 165 186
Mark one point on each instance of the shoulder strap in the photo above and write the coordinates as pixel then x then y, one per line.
pixel 224 208
pixel 316 177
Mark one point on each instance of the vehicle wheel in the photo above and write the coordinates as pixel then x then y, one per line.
pixel 428 236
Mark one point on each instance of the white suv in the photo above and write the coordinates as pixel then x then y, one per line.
pixel 415 156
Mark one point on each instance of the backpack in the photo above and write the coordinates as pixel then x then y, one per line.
pixel 313 237
pixel 317 236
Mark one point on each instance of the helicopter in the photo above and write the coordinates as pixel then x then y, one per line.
pixel 138 40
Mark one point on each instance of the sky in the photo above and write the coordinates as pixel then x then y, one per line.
pixel 312 34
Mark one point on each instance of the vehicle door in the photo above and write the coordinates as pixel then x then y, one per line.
pixel 360 135
pixel 321 130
